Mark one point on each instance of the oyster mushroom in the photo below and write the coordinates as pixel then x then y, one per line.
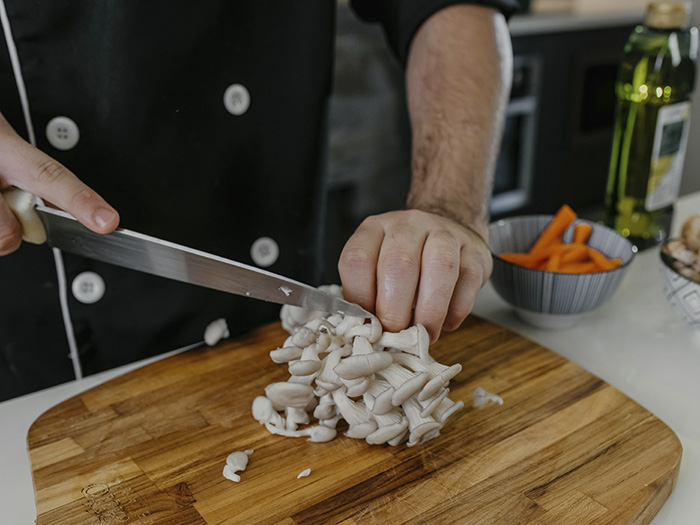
pixel 316 433
pixel 405 383
pixel 371 331
pixel 363 365
pixel 360 425
pixel 216 331
pixel 325 408
pixel 482 397
pixel 690 233
pixel 346 324
pixel 445 409
pixel 286 354
pixel 295 417
pixel 401 438
pixel 378 396
pixel 429 405
pixel 327 378
pixel 308 362
pixel 303 337
pixel 294 395
pixel 420 428
pixel 390 426
pixel 236 462
pixel 356 387
pixel 413 340
pixel 440 375
pixel 264 412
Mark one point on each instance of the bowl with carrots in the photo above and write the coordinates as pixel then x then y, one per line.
pixel 554 269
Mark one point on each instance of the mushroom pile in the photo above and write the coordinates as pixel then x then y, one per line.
pixel 685 252
pixel 385 386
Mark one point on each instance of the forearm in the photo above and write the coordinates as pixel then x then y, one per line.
pixel 457 80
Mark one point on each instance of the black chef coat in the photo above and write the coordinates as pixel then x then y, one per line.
pixel 202 124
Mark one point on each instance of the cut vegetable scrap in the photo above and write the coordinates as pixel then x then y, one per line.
pixel 552 254
pixel 236 462
pixel 482 397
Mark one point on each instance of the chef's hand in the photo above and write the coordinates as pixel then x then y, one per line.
pixel 414 267
pixel 24 166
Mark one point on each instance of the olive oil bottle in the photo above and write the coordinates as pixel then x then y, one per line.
pixel 652 119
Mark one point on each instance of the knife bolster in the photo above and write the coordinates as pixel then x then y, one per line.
pixel 22 204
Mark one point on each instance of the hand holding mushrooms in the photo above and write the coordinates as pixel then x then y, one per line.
pixel 414 267
pixel 424 265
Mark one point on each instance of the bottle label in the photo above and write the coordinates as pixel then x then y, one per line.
pixel 668 153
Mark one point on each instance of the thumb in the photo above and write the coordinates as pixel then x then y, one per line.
pixel 26 167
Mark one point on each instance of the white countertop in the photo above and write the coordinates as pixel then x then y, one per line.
pixel 635 342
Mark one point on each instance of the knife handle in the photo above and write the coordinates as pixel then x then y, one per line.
pixel 22 204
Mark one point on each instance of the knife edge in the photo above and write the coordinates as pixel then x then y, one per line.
pixel 141 252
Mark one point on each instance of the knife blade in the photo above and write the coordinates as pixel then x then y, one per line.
pixel 148 254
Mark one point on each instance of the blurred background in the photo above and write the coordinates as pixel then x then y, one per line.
pixel 558 133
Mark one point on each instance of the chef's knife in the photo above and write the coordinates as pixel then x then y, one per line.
pixel 166 259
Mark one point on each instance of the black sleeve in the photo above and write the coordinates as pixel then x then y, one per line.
pixel 402 18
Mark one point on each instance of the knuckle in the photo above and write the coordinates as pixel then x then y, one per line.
pixel 83 197
pixel 354 258
pixel 442 263
pixel 403 230
pixel 446 237
pixel 400 262
pixel 472 274
pixel 48 171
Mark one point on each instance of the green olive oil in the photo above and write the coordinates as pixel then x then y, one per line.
pixel 654 83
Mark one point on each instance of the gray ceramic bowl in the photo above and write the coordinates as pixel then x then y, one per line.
pixel 681 292
pixel 549 299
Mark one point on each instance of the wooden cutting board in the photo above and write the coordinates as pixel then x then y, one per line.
pixel 149 447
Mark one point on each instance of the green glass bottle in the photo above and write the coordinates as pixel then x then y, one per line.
pixel 652 120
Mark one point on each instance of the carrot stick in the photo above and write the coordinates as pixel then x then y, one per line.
pixel 575 253
pixel 523 259
pixel 582 232
pixel 602 261
pixel 553 263
pixel 555 229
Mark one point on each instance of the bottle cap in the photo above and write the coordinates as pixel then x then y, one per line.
pixel 668 15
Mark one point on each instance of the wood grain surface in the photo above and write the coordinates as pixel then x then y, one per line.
pixel 149 447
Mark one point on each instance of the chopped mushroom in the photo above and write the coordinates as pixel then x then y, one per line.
pixel 216 331
pixel 385 386
pixel 236 462
pixel 481 397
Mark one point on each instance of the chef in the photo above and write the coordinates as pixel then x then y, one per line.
pixel 202 123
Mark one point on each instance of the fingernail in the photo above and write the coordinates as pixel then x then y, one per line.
pixel 104 217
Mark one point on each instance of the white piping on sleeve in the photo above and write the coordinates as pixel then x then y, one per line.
pixel 57 255
pixel 63 298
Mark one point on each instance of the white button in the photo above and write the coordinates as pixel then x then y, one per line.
pixel 62 133
pixel 265 252
pixel 88 287
pixel 236 99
